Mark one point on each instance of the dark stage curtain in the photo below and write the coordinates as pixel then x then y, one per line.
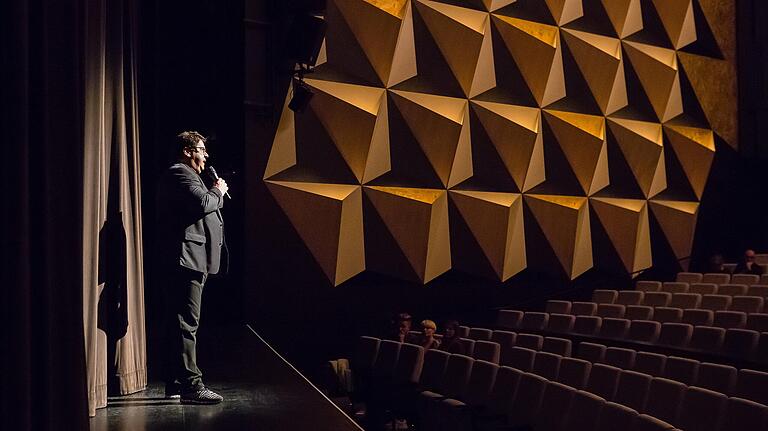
pixel 42 377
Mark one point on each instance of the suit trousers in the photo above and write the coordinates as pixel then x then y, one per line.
pixel 182 291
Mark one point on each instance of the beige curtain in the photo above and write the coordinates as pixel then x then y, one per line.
pixel 113 279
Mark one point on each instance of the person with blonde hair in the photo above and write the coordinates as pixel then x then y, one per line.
pixel 428 339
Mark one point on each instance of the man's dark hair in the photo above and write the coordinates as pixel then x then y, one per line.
pixel 188 139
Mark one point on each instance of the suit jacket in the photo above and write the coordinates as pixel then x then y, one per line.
pixel 190 225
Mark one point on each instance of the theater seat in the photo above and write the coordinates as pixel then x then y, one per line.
pixel 620 357
pixel 715 302
pixel 675 334
pixel 650 423
pixel 560 323
pixel 503 392
pixel 530 341
pixel 682 370
pixel 752 384
pixel 560 307
pixel 648 286
pixel 730 319
pixel 629 297
pixel 702 410
pixel 480 334
pixel 674 287
pixel 506 340
pixel 521 358
pixel 587 325
pixel 716 278
pixel 665 402
pixel 559 346
pixel 703 288
pixel 731 289
pixel 747 304
pixel 586 410
pixel 603 380
pixel 758 322
pixel 534 321
pixel 469 346
pixel 644 331
pixel 685 300
pixel 633 389
pixel 707 338
pixel 547 365
pixel 657 299
pixel 583 308
pixel 614 328
pixel 667 314
pixel 744 414
pixel 638 312
pixel 650 363
pixel 603 296
pixel 526 403
pixel 487 351
pixel 555 406
pixel 610 310
pixel 616 417
pixel 591 352
pixel 760 290
pixel 740 343
pixel 746 279
pixel 689 277
pixel 509 318
pixel 717 377
pixel 698 317
pixel 574 372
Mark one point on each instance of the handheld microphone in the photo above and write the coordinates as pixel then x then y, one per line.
pixel 216 177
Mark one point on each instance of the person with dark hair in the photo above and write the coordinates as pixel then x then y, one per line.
pixel 402 329
pixel 190 245
pixel 716 264
pixel 747 265
pixel 451 341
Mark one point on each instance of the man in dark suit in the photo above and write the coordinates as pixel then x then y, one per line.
pixel 190 244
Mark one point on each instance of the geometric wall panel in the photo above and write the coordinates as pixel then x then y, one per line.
pixel 659 76
pixel 677 18
pixel 496 222
pixel 356 119
pixel 417 219
pixel 441 126
pixel 695 148
pixel 329 219
pixel 599 59
pixel 582 139
pixel 626 223
pixel 642 146
pixel 464 38
pixel 626 16
pixel 384 31
pixel 678 222
pixel 536 50
pixel 515 132
pixel 565 223
pixel 382 100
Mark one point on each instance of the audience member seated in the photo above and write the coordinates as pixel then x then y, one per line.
pixel 716 264
pixel 427 339
pixel 747 265
pixel 402 329
pixel 451 341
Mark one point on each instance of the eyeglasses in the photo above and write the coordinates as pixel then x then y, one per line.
pixel 201 149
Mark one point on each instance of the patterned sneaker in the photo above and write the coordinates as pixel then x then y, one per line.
pixel 201 396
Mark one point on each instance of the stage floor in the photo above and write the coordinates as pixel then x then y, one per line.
pixel 261 391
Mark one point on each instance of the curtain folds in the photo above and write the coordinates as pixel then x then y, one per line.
pixel 113 280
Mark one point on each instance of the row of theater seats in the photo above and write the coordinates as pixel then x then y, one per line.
pixel 552 392
pixel 740 344
pixel 718 278
pixel 683 300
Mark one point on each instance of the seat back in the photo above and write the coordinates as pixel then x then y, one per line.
pixel 685 300
pixel 583 308
pixel 527 401
pixel 748 279
pixel 611 310
pixel 585 412
pixel 506 340
pixel 675 334
pixel 616 417
pixel 555 406
pixel 561 323
pixel 730 319
pixel 433 370
pixel 591 352
pixel 574 372
pixel 630 297
pixel 702 409
pixel 740 343
pixel 509 319
pixel 604 296
pixel 760 290
pixel 480 334
pixel 747 304
pixel 386 360
pixel 648 286
pixel 743 414
pixel 683 370
pixel 732 289
pixel 689 277
pixel 717 377
pixel 529 341
pixel 707 338
pixel 698 317
pixel 480 383
pixel 468 345
pixel 638 312
pixel 534 321
pixel 703 288
pixel 650 363
pixel 409 364
pixel 650 423
pixel 547 365
pixel 560 307
pixel 559 346
pixel 645 331
pixel 758 322
pixel 716 278
pixel 667 315
pixel 603 380
pixel 665 402
pixel 751 385
pixel 715 302
pixel 457 374
pixel 614 328
pixel 521 358
pixel 503 391
pixel 657 299
pixel 365 354
pixel 674 287
pixel 487 351
pixel 587 325
pixel 620 357
pixel 633 389
pixel 463 331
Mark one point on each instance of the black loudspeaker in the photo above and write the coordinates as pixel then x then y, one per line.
pixel 302 94
pixel 305 38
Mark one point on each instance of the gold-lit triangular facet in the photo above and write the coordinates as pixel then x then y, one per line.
pixel 492 5
pixel 351 116
pixel 463 36
pixel 496 222
pixel 536 50
pixel 417 219
pixel 677 19
pixel 329 219
pixel 600 61
pixel 658 73
pixel 441 127
pixel 625 16
pixel 564 220
pixel 695 148
pixel 678 222
pixel 565 11
pixel 626 223
pixel 515 132
pixel 642 145
pixel 283 153
pixel 391 48
pixel 582 139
